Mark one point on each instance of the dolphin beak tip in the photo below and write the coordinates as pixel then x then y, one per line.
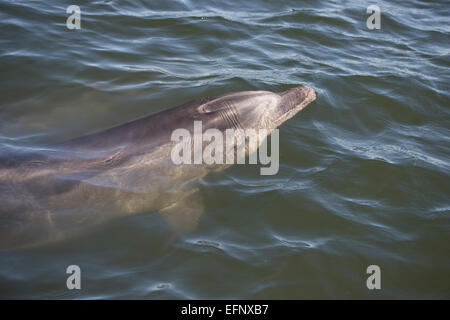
pixel 312 94
pixel 309 94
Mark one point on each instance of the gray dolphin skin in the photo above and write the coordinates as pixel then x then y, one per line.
pixel 51 192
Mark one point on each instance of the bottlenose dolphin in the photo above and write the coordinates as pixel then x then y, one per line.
pixel 47 193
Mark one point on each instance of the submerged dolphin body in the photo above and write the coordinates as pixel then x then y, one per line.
pixel 50 192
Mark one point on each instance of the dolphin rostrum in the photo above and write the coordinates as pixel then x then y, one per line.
pixel 47 193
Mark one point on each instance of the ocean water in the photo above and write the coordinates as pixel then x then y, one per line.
pixel 364 170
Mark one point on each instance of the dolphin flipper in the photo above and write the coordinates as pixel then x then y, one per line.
pixel 183 215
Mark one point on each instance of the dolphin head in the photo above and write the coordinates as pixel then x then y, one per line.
pixel 257 109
